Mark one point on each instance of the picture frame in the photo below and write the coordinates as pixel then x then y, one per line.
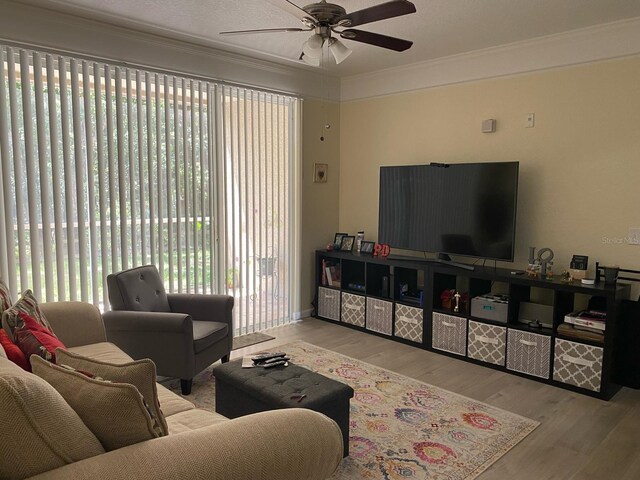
pixel 367 247
pixel 320 172
pixel 338 240
pixel 347 243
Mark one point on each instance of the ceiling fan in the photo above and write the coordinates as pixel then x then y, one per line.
pixel 324 18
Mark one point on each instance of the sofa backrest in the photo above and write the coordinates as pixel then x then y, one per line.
pixel 75 323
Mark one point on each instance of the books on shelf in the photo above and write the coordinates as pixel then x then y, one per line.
pixel 589 319
pixel 330 274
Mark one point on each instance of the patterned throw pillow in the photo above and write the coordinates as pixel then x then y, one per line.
pixel 33 338
pixel 29 305
pixel 5 297
pixel 139 373
pixel 114 412
pixel 13 352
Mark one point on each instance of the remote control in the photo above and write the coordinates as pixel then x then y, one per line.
pixel 276 359
pixel 266 356
pixel 276 364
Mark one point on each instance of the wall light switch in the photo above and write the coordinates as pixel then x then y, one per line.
pixel 530 121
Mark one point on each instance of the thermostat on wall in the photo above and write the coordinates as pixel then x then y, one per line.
pixel 489 126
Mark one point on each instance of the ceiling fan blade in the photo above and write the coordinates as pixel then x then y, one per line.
pixel 266 30
pixel 394 8
pixel 292 8
pixel 392 43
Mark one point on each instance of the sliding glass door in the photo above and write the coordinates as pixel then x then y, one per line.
pixel 106 167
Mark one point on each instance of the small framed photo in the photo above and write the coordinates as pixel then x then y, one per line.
pixel 338 240
pixel 347 243
pixel 367 247
pixel 320 171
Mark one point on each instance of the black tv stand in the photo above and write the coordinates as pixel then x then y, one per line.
pixel 446 260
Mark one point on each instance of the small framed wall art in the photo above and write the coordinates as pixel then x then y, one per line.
pixel 347 243
pixel 320 171
pixel 338 240
pixel 367 247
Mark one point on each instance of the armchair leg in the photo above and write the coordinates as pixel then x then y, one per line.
pixel 224 359
pixel 185 385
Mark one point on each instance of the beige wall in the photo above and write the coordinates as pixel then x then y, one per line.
pixel 579 165
pixel 320 201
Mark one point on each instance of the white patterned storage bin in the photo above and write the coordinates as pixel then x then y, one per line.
pixel 409 323
pixel 528 353
pixel 578 364
pixel 449 333
pixel 379 316
pixel 352 309
pixel 487 343
pixel 329 303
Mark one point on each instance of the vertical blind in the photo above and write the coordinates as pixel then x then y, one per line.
pixel 106 167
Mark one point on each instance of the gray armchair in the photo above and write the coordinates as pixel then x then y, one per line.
pixel 182 333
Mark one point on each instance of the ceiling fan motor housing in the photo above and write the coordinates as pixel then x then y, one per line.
pixel 325 13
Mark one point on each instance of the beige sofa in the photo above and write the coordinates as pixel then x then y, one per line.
pixel 280 444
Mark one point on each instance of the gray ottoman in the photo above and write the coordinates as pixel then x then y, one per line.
pixel 242 391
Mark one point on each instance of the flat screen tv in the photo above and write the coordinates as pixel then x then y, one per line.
pixel 460 209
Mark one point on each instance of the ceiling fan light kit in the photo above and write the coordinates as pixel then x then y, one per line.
pixel 326 18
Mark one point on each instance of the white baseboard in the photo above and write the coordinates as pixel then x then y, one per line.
pixel 302 314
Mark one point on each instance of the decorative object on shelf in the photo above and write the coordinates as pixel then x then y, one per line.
pixel 491 307
pixel 448 300
pixel 611 274
pixel 566 277
pixel 320 171
pixel 347 243
pixel 330 246
pixel 381 250
pixel 337 242
pixel 578 267
pixel 538 264
pixel 367 247
pixel 359 239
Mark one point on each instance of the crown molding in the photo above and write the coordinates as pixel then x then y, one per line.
pixel 41 27
pixel 593 44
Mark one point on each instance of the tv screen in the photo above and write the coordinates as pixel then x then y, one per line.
pixel 461 209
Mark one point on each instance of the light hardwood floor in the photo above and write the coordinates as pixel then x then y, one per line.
pixel 579 437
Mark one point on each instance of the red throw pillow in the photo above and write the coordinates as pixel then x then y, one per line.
pixel 34 338
pixel 13 351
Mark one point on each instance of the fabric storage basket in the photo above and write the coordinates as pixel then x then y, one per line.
pixel 578 364
pixel 352 309
pixel 409 323
pixel 528 353
pixel 328 303
pixel 379 316
pixel 449 333
pixel 487 343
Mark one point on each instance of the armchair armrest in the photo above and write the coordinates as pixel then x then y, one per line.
pixel 289 444
pixel 213 308
pixel 131 321
pixel 164 337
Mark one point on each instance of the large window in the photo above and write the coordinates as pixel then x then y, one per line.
pixel 106 167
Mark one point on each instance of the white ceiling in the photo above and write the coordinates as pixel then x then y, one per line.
pixel 440 28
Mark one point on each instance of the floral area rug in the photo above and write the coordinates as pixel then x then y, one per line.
pixel 401 428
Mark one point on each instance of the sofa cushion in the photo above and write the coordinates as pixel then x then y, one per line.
pixel 114 412
pixel 39 431
pixel 34 339
pixel 103 351
pixel 139 373
pixel 192 420
pixel 206 334
pixel 172 403
pixel 13 352
pixel 27 304
pixel 5 297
